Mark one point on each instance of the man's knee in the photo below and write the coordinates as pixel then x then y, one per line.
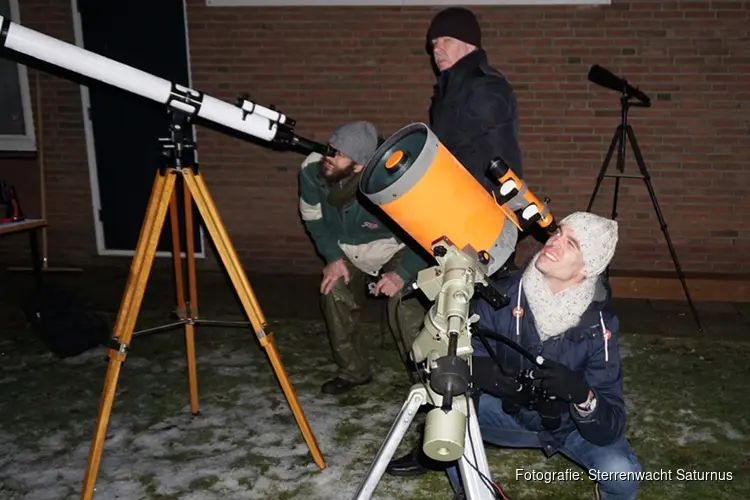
pixel 406 315
pixel 617 472
pixel 340 293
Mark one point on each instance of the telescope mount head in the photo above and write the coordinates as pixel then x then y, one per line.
pixel 178 144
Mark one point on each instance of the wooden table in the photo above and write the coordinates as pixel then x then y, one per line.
pixel 31 226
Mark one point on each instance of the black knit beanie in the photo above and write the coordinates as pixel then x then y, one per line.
pixel 456 22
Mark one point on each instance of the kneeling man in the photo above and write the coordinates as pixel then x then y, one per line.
pixel 559 310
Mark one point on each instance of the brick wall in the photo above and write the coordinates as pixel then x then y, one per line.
pixel 324 66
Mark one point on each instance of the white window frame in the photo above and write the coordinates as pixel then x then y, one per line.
pixel 376 3
pixel 25 142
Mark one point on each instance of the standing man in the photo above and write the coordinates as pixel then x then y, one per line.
pixel 355 243
pixel 474 111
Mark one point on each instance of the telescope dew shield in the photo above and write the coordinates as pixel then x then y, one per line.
pixel 414 179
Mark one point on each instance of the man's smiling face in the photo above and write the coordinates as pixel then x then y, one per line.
pixel 561 258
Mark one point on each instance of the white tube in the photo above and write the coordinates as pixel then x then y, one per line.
pixel 261 123
pixel 84 62
pixel 231 116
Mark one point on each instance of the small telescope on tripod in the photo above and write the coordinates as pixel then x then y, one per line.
pixel 624 134
pixel 250 120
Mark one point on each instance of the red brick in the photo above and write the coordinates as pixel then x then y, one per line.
pixel 333 64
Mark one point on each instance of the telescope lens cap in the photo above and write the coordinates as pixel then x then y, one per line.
pixel 395 161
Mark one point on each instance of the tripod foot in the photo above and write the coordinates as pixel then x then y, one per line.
pixel 269 345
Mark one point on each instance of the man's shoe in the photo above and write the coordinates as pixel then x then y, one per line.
pixel 339 385
pixel 408 465
pixel 460 495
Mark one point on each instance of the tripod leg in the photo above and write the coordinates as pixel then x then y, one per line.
pixel 662 223
pixel 620 166
pixel 417 397
pixel 242 286
pixel 127 316
pixel 182 308
pixel 475 480
pixel 602 172
pixel 193 309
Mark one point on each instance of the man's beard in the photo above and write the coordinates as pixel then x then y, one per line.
pixel 340 175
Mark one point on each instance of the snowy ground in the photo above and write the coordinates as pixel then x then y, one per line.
pixel 686 399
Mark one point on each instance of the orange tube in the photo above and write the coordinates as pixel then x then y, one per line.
pixel 419 184
pixel 447 201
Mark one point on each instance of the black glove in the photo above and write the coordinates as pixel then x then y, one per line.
pixel 560 381
pixel 488 377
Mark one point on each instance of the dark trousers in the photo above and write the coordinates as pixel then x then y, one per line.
pixel 614 466
pixel 342 310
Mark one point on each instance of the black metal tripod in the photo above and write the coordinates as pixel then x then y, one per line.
pixel 622 134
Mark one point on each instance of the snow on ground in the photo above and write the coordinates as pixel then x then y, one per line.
pixel 245 444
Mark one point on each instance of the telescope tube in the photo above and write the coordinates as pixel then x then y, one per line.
pixel 247 117
pixel 414 179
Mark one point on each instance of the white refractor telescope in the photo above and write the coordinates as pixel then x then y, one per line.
pixel 246 117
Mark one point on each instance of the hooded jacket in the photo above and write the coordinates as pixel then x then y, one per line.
pixel 584 348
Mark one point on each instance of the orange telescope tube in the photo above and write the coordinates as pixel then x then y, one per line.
pixel 414 179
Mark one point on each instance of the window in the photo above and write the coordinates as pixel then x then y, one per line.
pixel 375 3
pixel 16 122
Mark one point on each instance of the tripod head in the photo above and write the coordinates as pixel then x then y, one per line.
pixel 178 143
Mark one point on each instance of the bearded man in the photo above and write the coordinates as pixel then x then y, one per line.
pixel 350 235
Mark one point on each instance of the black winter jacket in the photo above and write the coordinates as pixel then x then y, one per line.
pixel 591 349
pixel 474 114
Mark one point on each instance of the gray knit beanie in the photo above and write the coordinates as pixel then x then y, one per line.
pixel 357 140
pixel 597 237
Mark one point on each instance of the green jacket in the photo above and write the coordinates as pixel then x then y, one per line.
pixel 353 231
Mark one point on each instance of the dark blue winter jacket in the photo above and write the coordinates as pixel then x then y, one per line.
pixel 583 348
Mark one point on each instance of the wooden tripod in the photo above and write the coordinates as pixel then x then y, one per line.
pixel 164 196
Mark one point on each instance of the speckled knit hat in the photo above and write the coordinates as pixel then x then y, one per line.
pixel 597 237
pixel 357 140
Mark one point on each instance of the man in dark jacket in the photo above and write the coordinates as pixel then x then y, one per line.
pixel 559 310
pixel 474 111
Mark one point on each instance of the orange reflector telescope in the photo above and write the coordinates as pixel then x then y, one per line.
pixel 414 179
